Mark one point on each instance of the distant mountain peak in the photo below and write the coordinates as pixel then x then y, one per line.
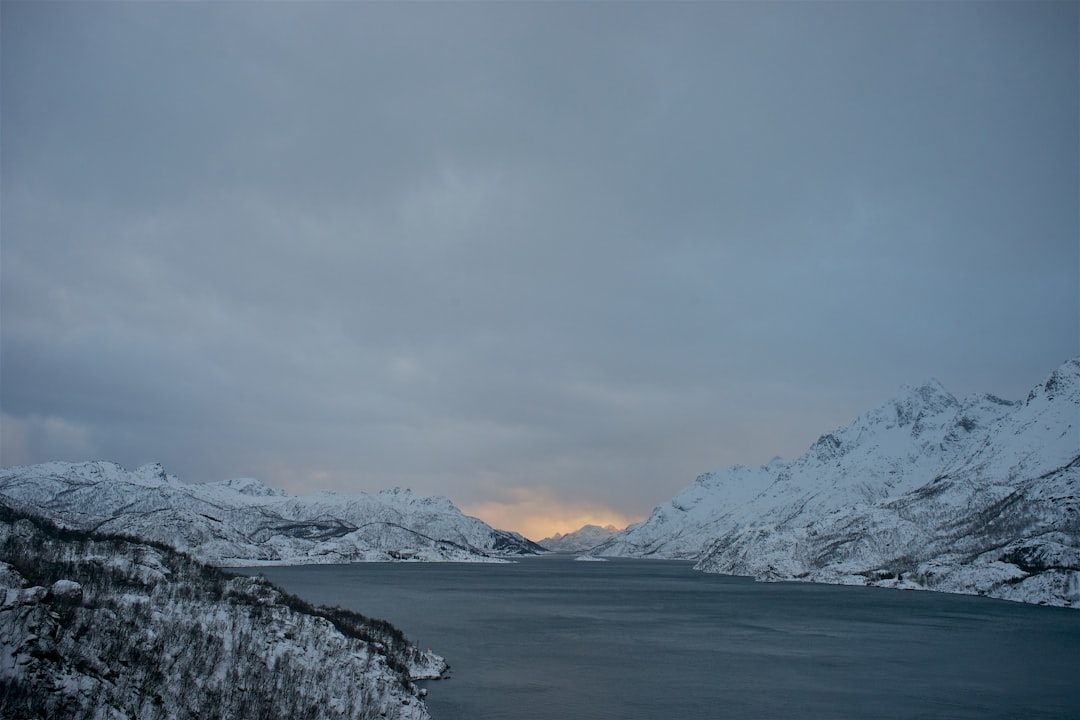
pixel 250 487
pixel 584 538
pixel 928 390
pixel 931 396
pixel 150 474
pixel 155 469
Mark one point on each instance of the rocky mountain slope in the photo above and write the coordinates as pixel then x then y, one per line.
pixel 99 626
pixel 581 540
pixel 980 496
pixel 244 522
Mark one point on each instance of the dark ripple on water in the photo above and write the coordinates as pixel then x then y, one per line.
pixel 550 638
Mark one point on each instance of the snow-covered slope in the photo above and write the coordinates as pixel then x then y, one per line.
pixel 980 496
pixel 103 627
pixel 581 540
pixel 244 522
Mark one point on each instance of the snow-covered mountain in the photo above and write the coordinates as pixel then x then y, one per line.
pixel 105 627
pixel 980 496
pixel 244 522
pixel 585 538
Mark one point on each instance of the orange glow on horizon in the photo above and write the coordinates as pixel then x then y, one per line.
pixel 538 516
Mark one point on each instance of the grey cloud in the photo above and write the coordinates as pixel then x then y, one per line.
pixel 595 248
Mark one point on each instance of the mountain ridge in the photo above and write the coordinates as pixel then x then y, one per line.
pixel 242 521
pixel 584 538
pixel 922 491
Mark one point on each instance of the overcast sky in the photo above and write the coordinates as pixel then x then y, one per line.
pixel 550 260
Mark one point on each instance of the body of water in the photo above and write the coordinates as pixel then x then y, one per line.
pixel 550 638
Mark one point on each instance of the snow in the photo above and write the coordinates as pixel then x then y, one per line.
pixel 66 590
pixel 980 496
pixel 585 538
pixel 241 521
pixel 184 643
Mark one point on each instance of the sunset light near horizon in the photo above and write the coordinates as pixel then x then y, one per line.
pixel 538 515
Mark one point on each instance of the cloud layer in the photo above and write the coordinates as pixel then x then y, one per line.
pixel 579 251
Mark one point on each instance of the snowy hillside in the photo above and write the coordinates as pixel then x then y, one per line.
pixel 581 540
pixel 99 626
pixel 243 522
pixel 980 496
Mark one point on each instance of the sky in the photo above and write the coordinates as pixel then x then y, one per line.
pixel 551 260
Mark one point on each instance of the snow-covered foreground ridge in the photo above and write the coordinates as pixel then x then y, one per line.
pixel 925 491
pixel 243 522
pixel 106 627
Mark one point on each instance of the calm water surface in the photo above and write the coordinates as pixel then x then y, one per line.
pixel 549 638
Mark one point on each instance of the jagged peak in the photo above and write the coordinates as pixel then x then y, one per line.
pixel 585 537
pixel 913 409
pixel 152 474
pixel 251 487
pixel 154 468
pixel 400 494
pixel 907 408
pixel 593 528
pixel 410 496
pixel 1064 381
pixel 931 394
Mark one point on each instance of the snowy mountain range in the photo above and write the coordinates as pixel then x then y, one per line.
pixel 243 522
pixel 924 491
pixel 581 540
pixel 106 627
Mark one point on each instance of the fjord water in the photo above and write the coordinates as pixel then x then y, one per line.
pixel 549 638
